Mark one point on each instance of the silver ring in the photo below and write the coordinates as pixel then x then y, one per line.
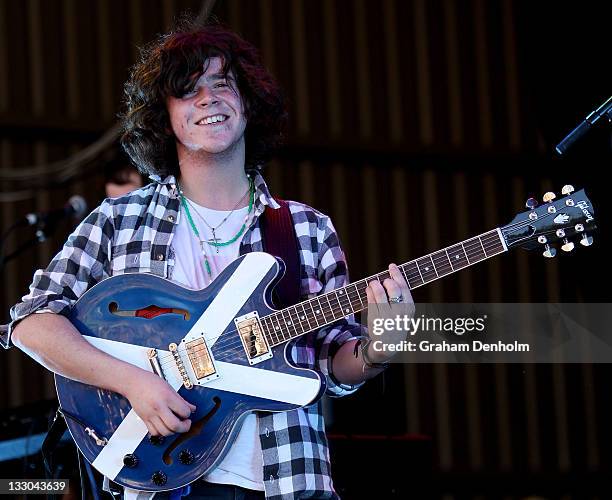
pixel 396 300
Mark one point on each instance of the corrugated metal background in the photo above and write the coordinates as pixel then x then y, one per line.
pixel 411 124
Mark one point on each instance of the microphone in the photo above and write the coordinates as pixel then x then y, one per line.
pixel 76 206
pixel 584 127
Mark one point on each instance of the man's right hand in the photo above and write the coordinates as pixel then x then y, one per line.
pixel 160 407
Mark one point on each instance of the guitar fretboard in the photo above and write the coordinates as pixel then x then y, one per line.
pixel 322 310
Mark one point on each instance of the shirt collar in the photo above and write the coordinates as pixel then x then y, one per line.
pixel 263 197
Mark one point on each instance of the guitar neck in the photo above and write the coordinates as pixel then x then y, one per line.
pixel 325 309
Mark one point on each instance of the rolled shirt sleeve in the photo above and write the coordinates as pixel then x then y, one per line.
pixel 333 273
pixel 82 262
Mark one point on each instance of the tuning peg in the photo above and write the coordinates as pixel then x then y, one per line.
pixel 567 246
pixel 548 197
pixel 531 203
pixel 549 252
pixel 586 240
pixel 567 189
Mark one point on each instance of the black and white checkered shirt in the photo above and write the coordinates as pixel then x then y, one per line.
pixel 134 233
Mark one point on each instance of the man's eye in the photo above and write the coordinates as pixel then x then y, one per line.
pixel 220 84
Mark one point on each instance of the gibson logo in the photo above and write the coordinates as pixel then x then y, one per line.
pixel 584 207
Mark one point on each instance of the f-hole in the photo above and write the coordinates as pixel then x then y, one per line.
pixel 149 312
pixel 196 428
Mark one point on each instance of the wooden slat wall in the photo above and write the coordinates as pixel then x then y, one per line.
pixel 409 77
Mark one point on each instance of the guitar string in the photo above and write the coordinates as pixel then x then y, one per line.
pixel 475 241
pixel 235 343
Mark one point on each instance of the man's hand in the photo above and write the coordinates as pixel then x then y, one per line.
pixel 394 290
pixel 160 407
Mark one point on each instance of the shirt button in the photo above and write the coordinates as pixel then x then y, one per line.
pixel 160 256
pixel 171 218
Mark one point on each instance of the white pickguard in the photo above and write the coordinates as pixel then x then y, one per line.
pixel 246 380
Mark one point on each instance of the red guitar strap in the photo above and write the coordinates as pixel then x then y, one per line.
pixel 279 239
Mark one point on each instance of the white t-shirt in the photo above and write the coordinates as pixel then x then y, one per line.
pixel 243 464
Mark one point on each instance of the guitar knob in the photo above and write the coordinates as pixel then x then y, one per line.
pixel 550 252
pixel 156 440
pixel 531 203
pixel 567 246
pixel 586 240
pixel 130 460
pixel 567 189
pixel 548 197
pixel 186 457
pixel 159 478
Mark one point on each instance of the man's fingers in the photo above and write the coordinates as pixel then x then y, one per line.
pixel 174 422
pixel 181 407
pixel 376 293
pixel 160 426
pixel 399 278
pixel 393 289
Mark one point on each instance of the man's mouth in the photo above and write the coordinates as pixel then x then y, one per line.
pixel 210 120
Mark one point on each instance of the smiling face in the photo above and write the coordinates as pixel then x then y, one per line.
pixel 210 117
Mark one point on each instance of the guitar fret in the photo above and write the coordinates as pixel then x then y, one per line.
pixel 449 260
pixel 434 266
pixel 306 316
pixel 344 311
pixel 420 273
pixel 266 329
pixel 457 260
pixel 290 323
pixel 414 276
pixel 321 311
pixel 331 308
pixel 358 296
pixel 441 264
pixel 466 255
pixel 270 330
pixel 483 248
pixel 295 318
pixel 312 311
pixel 279 330
pixel 476 252
pixel 427 274
pixel 401 268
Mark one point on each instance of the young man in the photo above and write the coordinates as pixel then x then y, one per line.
pixel 202 115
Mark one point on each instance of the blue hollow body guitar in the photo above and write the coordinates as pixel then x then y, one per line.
pixel 226 350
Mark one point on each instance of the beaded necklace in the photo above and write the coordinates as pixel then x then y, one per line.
pixel 214 242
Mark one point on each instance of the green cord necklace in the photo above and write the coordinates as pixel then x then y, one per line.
pixel 214 242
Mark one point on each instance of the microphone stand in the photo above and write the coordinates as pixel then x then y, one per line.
pixel 604 110
pixel 43 231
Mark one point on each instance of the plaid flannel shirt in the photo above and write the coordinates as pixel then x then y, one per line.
pixel 133 233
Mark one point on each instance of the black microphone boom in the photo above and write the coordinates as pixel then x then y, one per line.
pixel 584 127
pixel 76 206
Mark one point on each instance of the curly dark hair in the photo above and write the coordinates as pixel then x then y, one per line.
pixel 170 66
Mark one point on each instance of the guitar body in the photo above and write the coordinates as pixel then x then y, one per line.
pixel 102 315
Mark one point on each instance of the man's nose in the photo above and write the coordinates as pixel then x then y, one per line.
pixel 206 97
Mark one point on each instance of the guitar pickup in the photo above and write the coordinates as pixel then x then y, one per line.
pixel 201 360
pixel 252 337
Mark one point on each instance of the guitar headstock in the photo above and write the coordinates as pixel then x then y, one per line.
pixel 565 220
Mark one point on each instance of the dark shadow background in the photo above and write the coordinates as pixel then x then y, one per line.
pixel 414 124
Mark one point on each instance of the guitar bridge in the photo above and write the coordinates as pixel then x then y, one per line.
pixel 252 337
